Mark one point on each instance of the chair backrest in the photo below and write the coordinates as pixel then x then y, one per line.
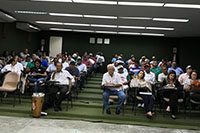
pixel 11 80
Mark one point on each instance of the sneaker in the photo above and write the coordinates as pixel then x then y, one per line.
pixel 117 111
pixel 43 114
pixel 142 106
pixel 108 111
pixel 139 105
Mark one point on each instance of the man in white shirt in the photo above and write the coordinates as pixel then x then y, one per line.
pixel 162 76
pixel 149 76
pixel 185 76
pixel 63 78
pixel 113 86
pixel 12 67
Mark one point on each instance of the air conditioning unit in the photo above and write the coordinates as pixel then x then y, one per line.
pixel 26 27
pixel 6 17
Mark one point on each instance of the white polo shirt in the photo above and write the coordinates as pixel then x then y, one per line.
pixel 63 77
pixel 162 77
pixel 150 77
pixel 115 79
pixel 11 68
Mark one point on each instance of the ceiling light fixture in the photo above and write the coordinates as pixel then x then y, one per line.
pixel 158 28
pixel 96 2
pixel 31 12
pixel 65 15
pixel 106 26
pixel 53 0
pixel 195 6
pixel 98 16
pixel 45 22
pixel 60 29
pixel 152 34
pixel 131 27
pixel 140 4
pixel 171 20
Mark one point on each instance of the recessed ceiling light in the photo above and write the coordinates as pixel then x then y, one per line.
pixel 131 27
pixel 30 12
pixel 152 34
pixel 159 28
pixel 45 22
pixel 59 29
pixel 96 2
pixel 83 31
pixel 53 0
pixel 106 26
pixel 140 4
pixel 76 24
pixel 195 6
pixel 129 33
pixel 139 18
pixel 65 15
pixel 106 32
pixel 98 16
pixel 171 20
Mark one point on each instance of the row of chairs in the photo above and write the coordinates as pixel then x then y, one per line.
pixel 184 101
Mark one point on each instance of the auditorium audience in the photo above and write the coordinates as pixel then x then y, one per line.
pixel 65 67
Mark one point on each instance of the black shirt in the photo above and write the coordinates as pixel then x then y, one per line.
pixel 37 70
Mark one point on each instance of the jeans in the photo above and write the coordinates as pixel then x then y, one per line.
pixel 121 95
pixel 148 102
pixel 35 81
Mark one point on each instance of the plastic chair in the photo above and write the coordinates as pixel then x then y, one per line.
pixel 10 84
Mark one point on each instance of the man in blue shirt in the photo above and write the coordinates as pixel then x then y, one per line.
pixel 174 67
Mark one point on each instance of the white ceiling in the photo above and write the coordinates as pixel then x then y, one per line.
pixel 189 29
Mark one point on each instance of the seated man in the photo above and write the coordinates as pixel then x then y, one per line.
pixel 175 68
pixel 112 80
pixel 62 77
pixel 83 71
pixel 149 76
pixel 37 74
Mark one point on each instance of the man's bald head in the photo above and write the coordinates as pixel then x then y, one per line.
pixel 110 69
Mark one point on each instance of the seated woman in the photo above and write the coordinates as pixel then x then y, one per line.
pixel 37 74
pixel 192 85
pixel 140 82
pixel 173 92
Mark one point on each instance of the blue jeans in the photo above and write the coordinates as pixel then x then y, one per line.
pixel 35 81
pixel 148 102
pixel 121 95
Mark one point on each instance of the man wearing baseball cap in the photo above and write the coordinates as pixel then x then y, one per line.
pixel 185 76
